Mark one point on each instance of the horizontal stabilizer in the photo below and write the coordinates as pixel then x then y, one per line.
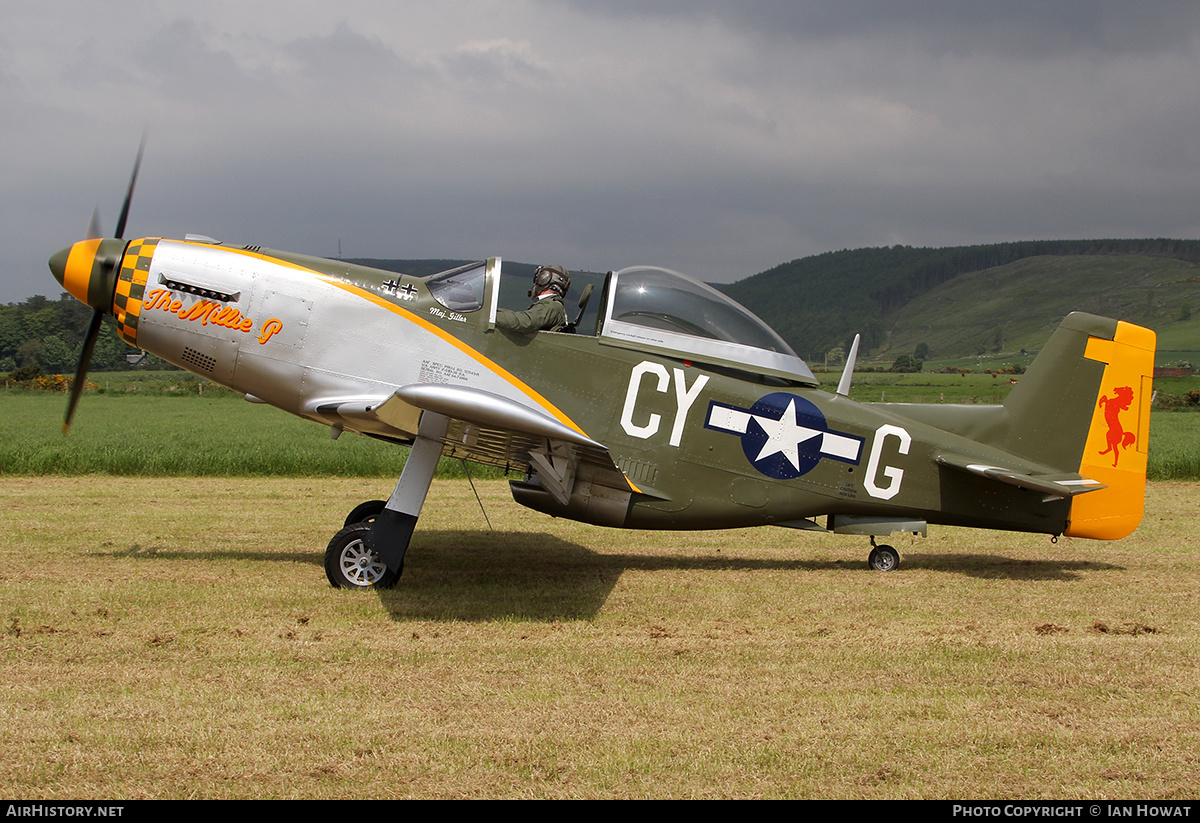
pixel 1056 486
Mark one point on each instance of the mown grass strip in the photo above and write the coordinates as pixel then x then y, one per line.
pixel 175 637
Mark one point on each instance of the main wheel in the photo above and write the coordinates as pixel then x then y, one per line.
pixel 365 512
pixel 350 564
pixel 884 559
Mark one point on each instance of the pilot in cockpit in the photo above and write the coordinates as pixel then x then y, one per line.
pixel 550 286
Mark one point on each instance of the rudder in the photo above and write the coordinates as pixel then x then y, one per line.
pixel 1116 449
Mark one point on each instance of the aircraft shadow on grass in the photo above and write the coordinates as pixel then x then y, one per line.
pixel 480 576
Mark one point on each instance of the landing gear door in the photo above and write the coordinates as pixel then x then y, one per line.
pixel 491 290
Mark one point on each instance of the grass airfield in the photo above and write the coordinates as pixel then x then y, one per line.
pixel 176 637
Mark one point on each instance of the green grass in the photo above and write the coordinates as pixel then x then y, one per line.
pixel 926 387
pixel 1174 447
pixel 160 435
pixel 219 435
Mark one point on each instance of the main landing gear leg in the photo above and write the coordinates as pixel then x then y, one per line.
pixel 392 529
pixel 371 552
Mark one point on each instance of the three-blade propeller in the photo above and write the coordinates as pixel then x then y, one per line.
pixel 93 330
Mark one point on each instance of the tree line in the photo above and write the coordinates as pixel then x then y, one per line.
pixel 41 335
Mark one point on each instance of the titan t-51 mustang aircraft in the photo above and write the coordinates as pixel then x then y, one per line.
pixel 679 410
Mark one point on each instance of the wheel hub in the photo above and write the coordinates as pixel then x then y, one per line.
pixel 361 566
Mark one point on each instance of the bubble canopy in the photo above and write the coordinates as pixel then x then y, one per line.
pixel 663 311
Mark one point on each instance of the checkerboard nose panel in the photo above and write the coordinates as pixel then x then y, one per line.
pixel 131 286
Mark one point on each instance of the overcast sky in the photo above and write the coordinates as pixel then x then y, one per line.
pixel 717 138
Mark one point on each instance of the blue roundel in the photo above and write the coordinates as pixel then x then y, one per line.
pixel 785 436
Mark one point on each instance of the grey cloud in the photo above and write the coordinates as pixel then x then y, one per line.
pixel 717 138
pixel 1021 29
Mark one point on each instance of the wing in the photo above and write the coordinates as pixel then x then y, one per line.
pixel 486 428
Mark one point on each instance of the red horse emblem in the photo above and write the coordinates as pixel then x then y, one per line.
pixel 1117 437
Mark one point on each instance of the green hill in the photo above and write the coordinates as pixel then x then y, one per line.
pixel 966 300
pixel 1014 307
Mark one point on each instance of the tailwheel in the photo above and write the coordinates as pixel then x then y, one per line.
pixel 883 559
pixel 350 564
pixel 365 512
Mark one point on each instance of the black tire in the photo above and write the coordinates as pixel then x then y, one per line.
pixel 884 559
pixel 365 512
pixel 349 564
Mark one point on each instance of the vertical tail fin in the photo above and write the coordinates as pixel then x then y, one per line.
pixel 1084 406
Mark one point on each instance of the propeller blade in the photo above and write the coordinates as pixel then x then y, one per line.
pixel 137 164
pixel 94 229
pixel 85 360
pixel 93 331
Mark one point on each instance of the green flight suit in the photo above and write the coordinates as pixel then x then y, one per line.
pixel 547 314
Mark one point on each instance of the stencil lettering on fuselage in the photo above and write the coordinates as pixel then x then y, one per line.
pixel 784 436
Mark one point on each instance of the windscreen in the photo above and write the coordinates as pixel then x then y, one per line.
pixel 459 289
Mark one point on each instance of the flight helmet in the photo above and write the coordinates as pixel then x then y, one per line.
pixel 554 278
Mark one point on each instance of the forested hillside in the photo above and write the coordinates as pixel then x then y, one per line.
pixel 819 302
